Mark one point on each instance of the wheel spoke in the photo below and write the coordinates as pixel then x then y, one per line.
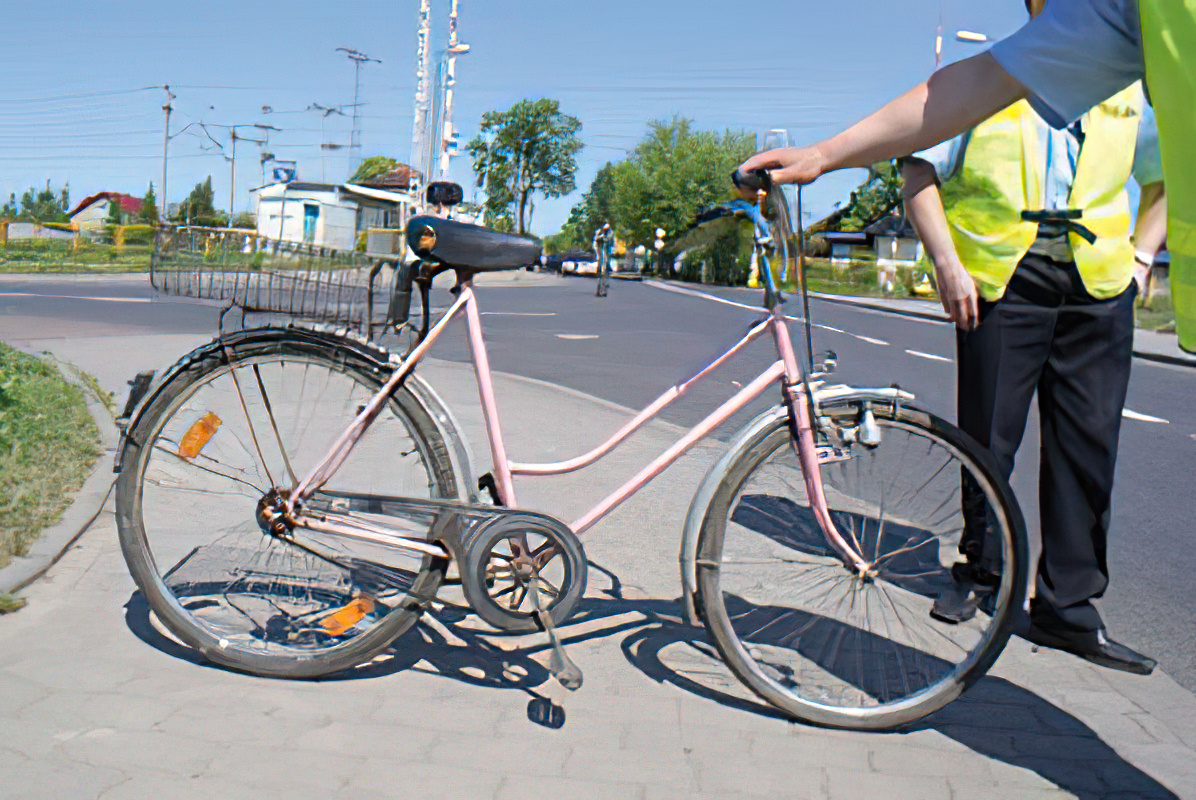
pixel 824 643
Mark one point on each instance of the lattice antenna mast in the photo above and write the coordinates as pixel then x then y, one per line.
pixel 448 137
pixel 357 58
pixel 423 91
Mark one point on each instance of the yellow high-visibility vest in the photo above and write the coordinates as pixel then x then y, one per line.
pixel 1169 44
pixel 1003 174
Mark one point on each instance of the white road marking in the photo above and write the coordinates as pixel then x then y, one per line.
pixel 519 313
pixel 577 336
pixel 694 293
pixel 931 356
pixel 77 297
pixel 1128 414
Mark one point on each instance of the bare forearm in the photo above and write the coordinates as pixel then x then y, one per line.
pixel 1151 227
pixel 924 207
pixel 955 99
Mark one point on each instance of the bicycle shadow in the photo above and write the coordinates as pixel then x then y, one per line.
pixel 995 718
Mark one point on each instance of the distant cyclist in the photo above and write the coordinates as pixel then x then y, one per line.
pixel 603 244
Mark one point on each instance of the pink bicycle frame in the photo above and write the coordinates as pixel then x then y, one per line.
pixel 785 369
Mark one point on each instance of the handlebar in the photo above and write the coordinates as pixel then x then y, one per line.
pixel 756 179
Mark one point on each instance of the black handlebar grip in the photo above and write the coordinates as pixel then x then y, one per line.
pixel 756 179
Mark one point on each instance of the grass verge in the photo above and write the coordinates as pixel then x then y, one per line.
pixel 48 444
pixel 63 256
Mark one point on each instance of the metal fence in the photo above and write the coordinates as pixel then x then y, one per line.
pixel 366 292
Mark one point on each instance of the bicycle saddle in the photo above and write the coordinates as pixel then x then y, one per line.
pixel 457 244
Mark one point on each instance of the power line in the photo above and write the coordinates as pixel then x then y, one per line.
pixel 79 96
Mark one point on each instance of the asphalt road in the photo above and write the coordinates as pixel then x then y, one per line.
pixel 643 338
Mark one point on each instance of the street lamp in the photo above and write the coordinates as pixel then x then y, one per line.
pixel 972 37
pixel 658 246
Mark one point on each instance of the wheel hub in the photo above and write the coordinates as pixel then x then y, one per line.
pixel 272 515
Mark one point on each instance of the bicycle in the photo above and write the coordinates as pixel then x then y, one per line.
pixel 603 243
pixel 290 500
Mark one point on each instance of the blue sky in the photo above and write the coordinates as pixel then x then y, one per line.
pixel 75 108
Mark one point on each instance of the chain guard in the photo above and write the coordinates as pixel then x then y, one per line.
pixel 469 533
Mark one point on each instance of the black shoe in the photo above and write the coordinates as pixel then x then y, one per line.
pixel 971 589
pixel 1094 646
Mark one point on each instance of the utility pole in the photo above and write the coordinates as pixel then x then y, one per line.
pixel 448 135
pixel 325 112
pixel 232 173
pixel 232 161
pixel 165 145
pixel 355 139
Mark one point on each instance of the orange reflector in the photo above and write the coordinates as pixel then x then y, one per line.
pixel 341 620
pixel 198 434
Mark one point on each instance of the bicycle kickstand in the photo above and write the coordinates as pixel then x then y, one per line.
pixel 560 665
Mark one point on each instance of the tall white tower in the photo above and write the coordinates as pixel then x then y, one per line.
pixel 420 132
pixel 448 136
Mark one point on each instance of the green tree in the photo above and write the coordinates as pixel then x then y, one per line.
pixel 879 194
pixel 673 174
pixel 10 208
pixel 43 206
pixel 531 148
pixel 149 206
pixel 596 207
pixel 115 215
pixel 372 167
pixel 199 208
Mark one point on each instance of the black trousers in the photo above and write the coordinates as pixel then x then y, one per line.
pixel 1048 334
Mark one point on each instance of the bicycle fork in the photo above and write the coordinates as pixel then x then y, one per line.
pixel 798 400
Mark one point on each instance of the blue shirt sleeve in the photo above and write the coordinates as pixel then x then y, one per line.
pixel 1074 54
pixel 946 157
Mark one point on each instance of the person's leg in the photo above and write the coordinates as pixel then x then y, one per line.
pixel 999 364
pixel 1081 397
pixel 1080 402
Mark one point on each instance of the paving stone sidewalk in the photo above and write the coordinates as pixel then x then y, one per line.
pixel 95 702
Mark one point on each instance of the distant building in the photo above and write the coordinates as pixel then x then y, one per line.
pixel 845 245
pixel 326 214
pixel 93 212
pixel 895 241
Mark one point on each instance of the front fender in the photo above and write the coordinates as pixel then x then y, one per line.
pixel 747 438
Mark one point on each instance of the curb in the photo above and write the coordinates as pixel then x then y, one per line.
pixel 87 504
pixel 1145 355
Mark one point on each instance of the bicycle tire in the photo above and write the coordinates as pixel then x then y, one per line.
pixel 809 636
pixel 187 526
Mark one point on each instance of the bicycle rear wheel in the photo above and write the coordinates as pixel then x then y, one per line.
pixel 827 645
pixel 239 418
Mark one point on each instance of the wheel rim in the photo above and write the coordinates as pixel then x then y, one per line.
pixel 242 588
pixel 827 644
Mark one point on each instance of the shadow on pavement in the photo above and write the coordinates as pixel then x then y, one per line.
pixel 995 718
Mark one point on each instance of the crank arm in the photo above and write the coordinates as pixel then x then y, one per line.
pixel 560 665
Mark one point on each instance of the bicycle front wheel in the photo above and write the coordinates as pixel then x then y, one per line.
pixel 242 418
pixel 941 532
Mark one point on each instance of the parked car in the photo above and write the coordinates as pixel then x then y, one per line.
pixel 572 262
